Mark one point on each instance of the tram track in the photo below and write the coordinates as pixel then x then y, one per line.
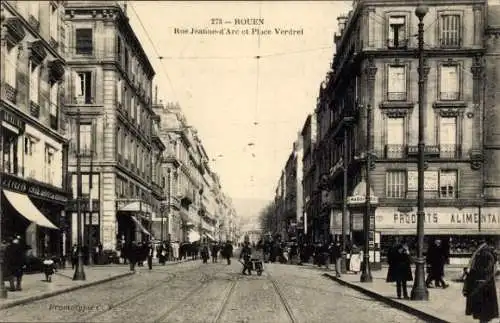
pixel 227 295
pixel 283 299
pixel 152 287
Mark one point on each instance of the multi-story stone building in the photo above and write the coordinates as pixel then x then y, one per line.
pixel 33 147
pixel 375 66
pixel 196 199
pixel 310 176
pixel 160 184
pixel 279 206
pixel 109 91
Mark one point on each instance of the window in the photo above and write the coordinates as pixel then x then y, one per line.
pixel 396 87
pixel 139 114
pixel 11 65
pixel 447 183
pixel 450 30
pixel 86 191
pixel 83 87
pixel 54 113
pixel 84 39
pixel 126 151
pixel 85 138
pixel 11 157
pixel 449 83
pixel 119 93
pixel 49 160
pixel 34 9
pixel 119 141
pixel 126 61
pixel 29 146
pixel 448 137
pixel 395 138
pixel 132 104
pixel 396 184
pixel 54 22
pixel 34 82
pixel 131 148
pixel 118 46
pixel 397 32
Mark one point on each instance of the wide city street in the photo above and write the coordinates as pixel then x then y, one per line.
pixel 196 292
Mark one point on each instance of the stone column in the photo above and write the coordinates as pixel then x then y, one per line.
pixel 478 25
pixel 477 70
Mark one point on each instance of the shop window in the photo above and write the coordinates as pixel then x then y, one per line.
pixel 448 184
pixel 396 184
pixel 84 41
pixel 10 152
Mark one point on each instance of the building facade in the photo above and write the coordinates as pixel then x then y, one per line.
pixel 33 145
pixel 310 176
pixel 108 105
pixel 375 66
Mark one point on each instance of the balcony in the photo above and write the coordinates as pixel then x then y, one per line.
pixel 449 96
pixel 395 151
pixel 9 92
pixel 34 109
pixel 449 151
pixel 396 96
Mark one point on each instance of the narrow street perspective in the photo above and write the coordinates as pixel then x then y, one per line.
pixel 197 292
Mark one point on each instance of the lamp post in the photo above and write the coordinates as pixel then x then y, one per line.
pixel 169 194
pixel 79 272
pixel 419 290
pixel 344 208
pixel 366 275
pixel 3 290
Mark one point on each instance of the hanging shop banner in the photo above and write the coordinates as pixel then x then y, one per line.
pixel 435 218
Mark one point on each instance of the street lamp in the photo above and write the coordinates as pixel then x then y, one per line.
pixel 419 290
pixel 169 193
pixel 366 275
pixel 3 290
pixel 79 272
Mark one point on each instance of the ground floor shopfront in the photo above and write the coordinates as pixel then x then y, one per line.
pixel 33 211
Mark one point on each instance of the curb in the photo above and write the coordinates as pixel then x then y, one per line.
pixel 393 303
pixel 61 291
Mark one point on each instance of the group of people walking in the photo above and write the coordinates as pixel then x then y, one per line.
pixel 479 281
pixel 213 250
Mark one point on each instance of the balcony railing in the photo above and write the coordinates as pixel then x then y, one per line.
pixel 449 151
pixel 34 109
pixel 449 96
pixel 396 96
pixel 395 151
pixel 429 150
pixel 9 92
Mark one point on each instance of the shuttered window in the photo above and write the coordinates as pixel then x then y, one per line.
pixel 450 30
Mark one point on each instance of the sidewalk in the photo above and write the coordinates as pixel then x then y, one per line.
pixel 444 305
pixel 35 287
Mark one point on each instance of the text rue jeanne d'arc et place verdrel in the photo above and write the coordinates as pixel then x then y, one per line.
pixel 238 27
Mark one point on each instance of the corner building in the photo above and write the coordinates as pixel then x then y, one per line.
pixel 109 86
pixel 375 65
pixel 33 143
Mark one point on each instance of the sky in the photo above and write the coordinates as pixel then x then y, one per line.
pixel 248 111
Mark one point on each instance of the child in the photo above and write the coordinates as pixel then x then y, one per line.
pixel 49 269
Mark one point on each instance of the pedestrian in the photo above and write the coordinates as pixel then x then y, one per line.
pixel 355 260
pixel 215 251
pixel 175 250
pixel 150 255
pixel 399 271
pixel 132 253
pixel 74 256
pixel 48 268
pixel 436 258
pixel 479 286
pixel 336 255
pixel 15 263
pixel 246 255
pixel 227 252
pixel 205 253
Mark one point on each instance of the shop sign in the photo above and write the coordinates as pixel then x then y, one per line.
pixel 361 199
pixel 13 120
pixel 431 180
pixel 437 217
pixel 13 183
pixel 84 206
pixel 490 218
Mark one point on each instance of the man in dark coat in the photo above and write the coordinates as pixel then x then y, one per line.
pixel 336 256
pixel 132 254
pixel 215 251
pixel 227 252
pixel 246 255
pixel 436 259
pixel 150 255
pixel 479 287
pixel 15 261
pixel 399 268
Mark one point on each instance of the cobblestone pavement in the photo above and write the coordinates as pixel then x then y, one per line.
pixel 196 292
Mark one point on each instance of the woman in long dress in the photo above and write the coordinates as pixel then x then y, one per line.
pixel 479 286
pixel 355 260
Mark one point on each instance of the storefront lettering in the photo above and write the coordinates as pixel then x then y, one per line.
pixel 490 218
pixel 9 118
pixel 411 218
pixel 11 183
